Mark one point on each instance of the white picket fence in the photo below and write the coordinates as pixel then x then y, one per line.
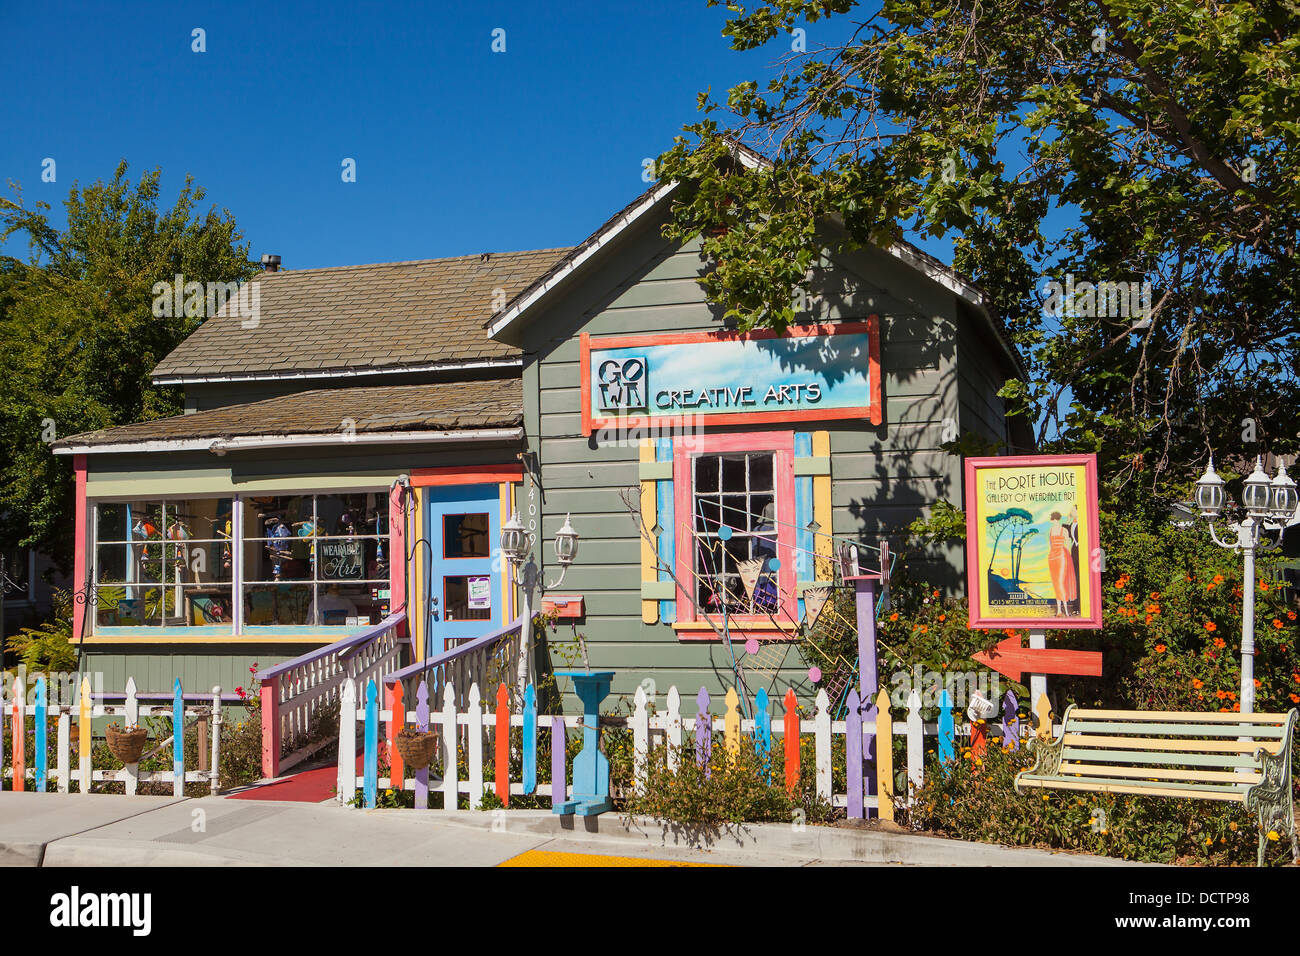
pixel 180 708
pixel 477 726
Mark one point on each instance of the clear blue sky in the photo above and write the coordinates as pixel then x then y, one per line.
pixel 458 149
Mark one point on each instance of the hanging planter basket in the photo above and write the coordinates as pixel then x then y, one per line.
pixel 416 748
pixel 127 745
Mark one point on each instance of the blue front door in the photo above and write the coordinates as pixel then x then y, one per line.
pixel 463 528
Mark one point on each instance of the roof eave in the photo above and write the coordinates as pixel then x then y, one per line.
pixel 220 445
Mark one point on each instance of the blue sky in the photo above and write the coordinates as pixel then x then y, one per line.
pixel 458 149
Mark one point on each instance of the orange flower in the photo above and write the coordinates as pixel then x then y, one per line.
pixel 1211 626
pixel 1197 683
pixel 1210 586
pixel 1221 694
pixel 1263 585
pixel 1218 579
pixel 894 616
pixel 1218 642
pixel 1128 598
pixel 1295 699
pixel 1290 615
pixel 1148 618
pixel 1160 648
pixel 934 594
pixel 1155 595
pixel 1277 623
pixel 943 617
pixel 924 629
pixel 1257 683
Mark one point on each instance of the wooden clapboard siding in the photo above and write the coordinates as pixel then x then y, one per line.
pixel 882 478
pixel 200 669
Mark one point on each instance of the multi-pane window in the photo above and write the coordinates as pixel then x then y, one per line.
pixel 163 563
pixel 307 560
pixel 315 559
pixel 735 523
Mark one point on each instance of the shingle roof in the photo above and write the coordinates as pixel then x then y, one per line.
pixel 445 406
pixel 362 318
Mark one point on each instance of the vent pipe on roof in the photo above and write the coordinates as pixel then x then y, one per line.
pixel 270 263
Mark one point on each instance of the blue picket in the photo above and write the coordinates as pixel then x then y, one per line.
pixel 1010 723
pixel 947 732
pixel 763 732
pixel 422 725
pixel 41 756
pixel 703 731
pixel 853 755
pixel 371 763
pixel 530 740
pixel 178 737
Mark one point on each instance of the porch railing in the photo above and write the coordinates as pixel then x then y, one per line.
pixel 295 691
pixel 487 661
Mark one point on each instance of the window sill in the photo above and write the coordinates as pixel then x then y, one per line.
pixel 740 631
pixel 151 635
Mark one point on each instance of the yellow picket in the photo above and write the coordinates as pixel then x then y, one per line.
pixel 884 756
pixel 731 723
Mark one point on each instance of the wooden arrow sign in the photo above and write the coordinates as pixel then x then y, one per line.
pixel 1011 659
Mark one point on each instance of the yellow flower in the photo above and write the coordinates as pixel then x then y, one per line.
pixel 1272 835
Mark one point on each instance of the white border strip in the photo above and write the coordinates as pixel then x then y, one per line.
pixel 219 446
pixel 338 373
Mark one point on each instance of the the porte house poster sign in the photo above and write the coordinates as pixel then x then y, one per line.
pixel 811 372
pixel 1031 537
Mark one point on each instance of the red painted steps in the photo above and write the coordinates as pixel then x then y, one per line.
pixel 309 786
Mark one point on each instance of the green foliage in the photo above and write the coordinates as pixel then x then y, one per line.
pixel 745 787
pixel 48 648
pixel 78 337
pixel 975 799
pixel 1166 131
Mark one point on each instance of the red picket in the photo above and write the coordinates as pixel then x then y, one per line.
pixel 396 705
pixel 791 742
pixel 503 744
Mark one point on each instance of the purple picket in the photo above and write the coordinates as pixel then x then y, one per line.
pixel 558 738
pixel 853 755
pixel 703 731
pixel 1010 724
pixel 422 725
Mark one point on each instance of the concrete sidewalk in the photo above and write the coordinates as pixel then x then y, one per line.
pixel 50 829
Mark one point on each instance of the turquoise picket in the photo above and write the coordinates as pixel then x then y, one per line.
pixel 178 736
pixel 763 732
pixel 371 764
pixel 530 739
pixel 41 756
pixel 947 732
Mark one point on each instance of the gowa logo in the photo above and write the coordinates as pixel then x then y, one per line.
pixel 76 909
pixel 623 384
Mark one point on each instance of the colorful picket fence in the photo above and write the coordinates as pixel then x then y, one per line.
pixel 180 707
pixel 483 722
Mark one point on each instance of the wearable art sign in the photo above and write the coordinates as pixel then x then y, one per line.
pixel 811 372
pixel 1031 537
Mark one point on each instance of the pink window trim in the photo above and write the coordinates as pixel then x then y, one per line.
pixel 782 443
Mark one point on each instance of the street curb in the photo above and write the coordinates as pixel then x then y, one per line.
pixel 825 844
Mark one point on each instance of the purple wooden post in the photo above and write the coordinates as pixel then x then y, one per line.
pixel 422 724
pixel 864 590
pixel 703 731
pixel 853 756
pixel 1010 724
pixel 558 754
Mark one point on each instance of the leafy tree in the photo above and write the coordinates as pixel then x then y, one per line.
pixel 1170 128
pixel 78 337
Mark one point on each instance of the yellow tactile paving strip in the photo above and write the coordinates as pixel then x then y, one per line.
pixel 554 858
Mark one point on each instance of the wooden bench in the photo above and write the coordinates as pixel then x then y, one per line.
pixel 1236 758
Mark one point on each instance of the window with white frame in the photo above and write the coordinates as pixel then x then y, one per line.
pixel 306 560
pixel 734 519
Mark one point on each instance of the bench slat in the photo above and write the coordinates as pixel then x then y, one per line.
pixel 1144 743
pixel 1103 785
pixel 1155 757
pixel 1182 730
pixel 1211 716
pixel 1162 773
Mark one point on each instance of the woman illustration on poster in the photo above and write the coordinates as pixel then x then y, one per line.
pixel 1060 563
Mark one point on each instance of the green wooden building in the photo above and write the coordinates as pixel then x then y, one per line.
pixel 354 449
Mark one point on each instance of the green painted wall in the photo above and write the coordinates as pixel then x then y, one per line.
pixel 883 477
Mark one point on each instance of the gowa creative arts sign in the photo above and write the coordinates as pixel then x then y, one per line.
pixel 810 372
pixel 1031 536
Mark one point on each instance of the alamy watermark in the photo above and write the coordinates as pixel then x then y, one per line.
pixel 62 688
pixel 206 300
pixel 963 687
pixel 1123 299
